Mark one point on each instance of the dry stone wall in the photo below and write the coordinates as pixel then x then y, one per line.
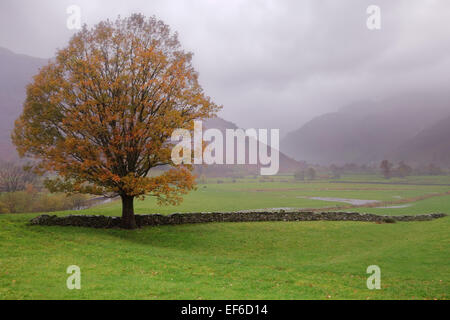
pixel 190 218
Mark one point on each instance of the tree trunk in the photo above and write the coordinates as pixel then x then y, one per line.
pixel 128 219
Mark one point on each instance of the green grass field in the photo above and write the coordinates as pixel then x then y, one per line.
pixel 266 260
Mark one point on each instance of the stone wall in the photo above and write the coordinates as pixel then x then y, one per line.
pixel 189 218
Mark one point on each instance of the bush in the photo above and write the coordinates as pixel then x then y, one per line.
pixel 299 175
pixel 3 208
pixel 15 202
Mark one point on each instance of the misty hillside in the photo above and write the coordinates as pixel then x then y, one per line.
pixel 366 131
pixel 405 127
pixel 16 72
pixel 432 145
pixel 287 164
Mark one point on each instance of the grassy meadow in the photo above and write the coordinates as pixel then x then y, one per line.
pixel 265 260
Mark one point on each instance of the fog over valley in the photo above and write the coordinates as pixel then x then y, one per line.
pixel 272 64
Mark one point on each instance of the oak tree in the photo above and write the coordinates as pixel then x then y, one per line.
pixel 102 113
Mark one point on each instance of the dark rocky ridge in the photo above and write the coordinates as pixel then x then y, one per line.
pixel 190 218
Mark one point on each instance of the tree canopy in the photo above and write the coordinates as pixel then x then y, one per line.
pixel 101 114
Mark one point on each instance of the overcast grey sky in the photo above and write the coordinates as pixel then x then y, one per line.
pixel 272 63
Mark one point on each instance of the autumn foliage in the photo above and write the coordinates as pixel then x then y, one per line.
pixel 102 113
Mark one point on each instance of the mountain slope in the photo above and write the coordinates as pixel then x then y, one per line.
pixel 16 72
pixel 286 164
pixel 365 132
pixel 431 145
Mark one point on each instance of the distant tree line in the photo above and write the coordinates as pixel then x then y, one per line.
pixel 21 191
pixel 308 174
pixel 389 170
pixel 386 168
